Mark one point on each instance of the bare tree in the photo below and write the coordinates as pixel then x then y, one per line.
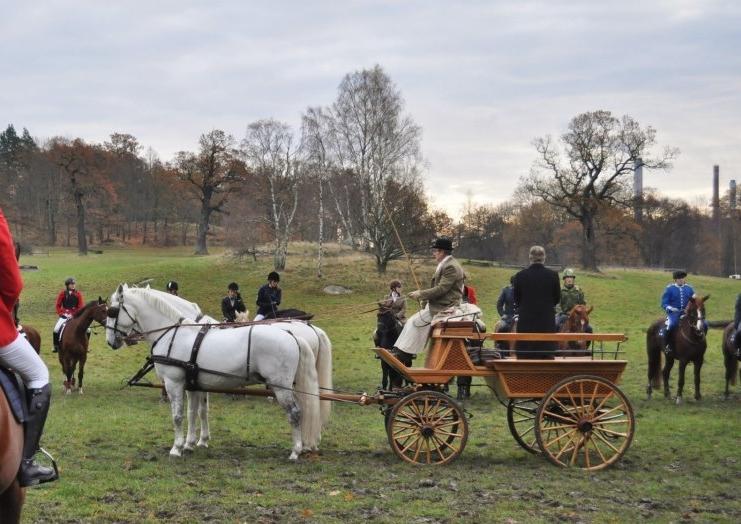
pixel 600 151
pixel 213 174
pixel 374 140
pixel 270 151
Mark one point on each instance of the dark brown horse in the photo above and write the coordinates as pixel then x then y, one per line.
pixel 576 322
pixel 689 345
pixel 730 358
pixel 74 342
pixel 33 337
pixel 11 452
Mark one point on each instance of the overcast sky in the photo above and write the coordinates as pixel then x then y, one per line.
pixel 482 79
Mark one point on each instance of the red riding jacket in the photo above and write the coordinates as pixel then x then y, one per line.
pixel 11 283
pixel 64 308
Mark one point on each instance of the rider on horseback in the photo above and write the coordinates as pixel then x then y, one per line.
pixel 69 302
pixel 268 297
pixel 674 300
pixel 17 353
pixel 232 303
pixel 571 295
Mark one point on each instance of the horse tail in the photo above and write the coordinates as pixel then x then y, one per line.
pixel 729 358
pixel 324 371
pixel 653 349
pixel 307 396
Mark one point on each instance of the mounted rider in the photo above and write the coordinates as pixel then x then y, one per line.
pixel 69 302
pixel 269 297
pixel 232 303
pixel 674 301
pixel 571 295
pixel 172 287
pixel 396 302
pixel 17 353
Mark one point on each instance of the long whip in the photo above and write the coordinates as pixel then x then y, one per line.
pixel 401 244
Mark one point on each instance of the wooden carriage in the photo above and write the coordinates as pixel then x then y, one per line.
pixel 567 408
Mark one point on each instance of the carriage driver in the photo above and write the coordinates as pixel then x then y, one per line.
pixel 69 302
pixel 17 353
pixel 675 298
pixel 571 295
pixel 268 297
pixel 445 293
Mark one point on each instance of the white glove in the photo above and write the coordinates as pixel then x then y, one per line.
pixel 669 309
pixel 414 295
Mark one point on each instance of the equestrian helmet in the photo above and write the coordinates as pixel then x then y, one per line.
pixel 233 286
pixel 274 276
pixel 172 286
pixel 70 280
pixel 568 272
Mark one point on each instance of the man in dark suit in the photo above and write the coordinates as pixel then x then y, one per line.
pixel 537 291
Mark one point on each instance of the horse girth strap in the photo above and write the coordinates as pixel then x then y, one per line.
pixel 191 367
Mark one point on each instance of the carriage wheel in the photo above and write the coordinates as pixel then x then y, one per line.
pixel 521 421
pixel 427 427
pixel 584 422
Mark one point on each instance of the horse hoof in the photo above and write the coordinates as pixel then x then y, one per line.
pixel 679 401
pixel 189 447
pixel 294 456
pixel 176 453
pixel 202 444
pixel 79 391
pixel 67 391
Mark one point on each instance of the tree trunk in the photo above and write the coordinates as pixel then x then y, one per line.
pixel 144 232
pixel 279 256
pixel 381 264
pixel 201 248
pixel 81 234
pixel 588 246
pixel 52 224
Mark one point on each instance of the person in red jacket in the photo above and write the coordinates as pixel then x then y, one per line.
pixel 17 353
pixel 69 302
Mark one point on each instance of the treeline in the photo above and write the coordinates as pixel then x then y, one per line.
pixel 352 174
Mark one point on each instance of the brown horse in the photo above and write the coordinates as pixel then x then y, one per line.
pixel 33 337
pixel 689 345
pixel 11 451
pixel 730 358
pixel 576 322
pixel 74 342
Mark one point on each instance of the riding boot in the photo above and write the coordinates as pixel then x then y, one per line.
pixel 55 337
pixel 38 406
pixel 668 350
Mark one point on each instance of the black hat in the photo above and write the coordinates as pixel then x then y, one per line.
pixel 443 243
pixel 273 275
pixel 679 274
pixel 172 286
pixel 233 286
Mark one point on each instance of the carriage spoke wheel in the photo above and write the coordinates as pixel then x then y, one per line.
pixel 427 427
pixel 584 422
pixel 521 421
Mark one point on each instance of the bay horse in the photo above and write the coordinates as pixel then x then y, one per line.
pixel 388 329
pixel 576 322
pixel 33 337
pixel 227 358
pixel 11 452
pixel 731 357
pixel 73 344
pixel 689 345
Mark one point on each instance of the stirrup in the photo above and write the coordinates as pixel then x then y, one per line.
pixel 55 475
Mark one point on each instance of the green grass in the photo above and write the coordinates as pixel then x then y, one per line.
pixel 112 443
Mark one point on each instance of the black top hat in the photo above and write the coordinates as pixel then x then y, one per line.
pixel 443 243
pixel 679 274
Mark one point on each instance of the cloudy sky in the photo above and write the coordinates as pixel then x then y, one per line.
pixel 482 79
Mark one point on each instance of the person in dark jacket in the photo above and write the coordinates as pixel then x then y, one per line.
pixel 172 288
pixel 506 308
pixel 269 297
pixel 537 291
pixel 737 326
pixel 232 303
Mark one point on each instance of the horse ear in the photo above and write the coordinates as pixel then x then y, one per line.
pixel 120 289
pixel 100 300
pixel 705 298
pixel 590 309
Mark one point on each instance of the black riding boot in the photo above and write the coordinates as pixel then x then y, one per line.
pixel 668 350
pixel 55 337
pixel 38 406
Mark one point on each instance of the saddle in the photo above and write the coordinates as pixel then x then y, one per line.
pixel 10 384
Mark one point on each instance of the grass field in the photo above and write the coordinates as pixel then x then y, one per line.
pixel 112 443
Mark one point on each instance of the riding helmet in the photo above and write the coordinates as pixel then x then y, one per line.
pixel 233 286
pixel 172 286
pixel 69 280
pixel 568 272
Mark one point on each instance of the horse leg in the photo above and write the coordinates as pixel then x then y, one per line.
pixel 668 365
pixel 81 372
pixel 287 401
pixel 11 503
pixel 680 380
pixel 203 416
pixel 698 367
pixel 193 399
pixel 69 369
pixel 175 392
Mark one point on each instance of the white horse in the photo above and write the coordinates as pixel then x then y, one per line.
pixel 228 358
pixel 316 337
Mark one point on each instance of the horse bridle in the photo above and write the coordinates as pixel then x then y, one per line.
pixel 115 312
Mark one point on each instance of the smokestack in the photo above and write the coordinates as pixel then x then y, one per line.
pixel 716 195
pixel 732 195
pixel 638 190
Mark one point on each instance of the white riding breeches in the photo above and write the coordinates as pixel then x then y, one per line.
pixel 20 356
pixel 259 317
pixel 59 324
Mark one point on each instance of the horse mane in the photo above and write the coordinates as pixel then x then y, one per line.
pixel 84 308
pixel 159 303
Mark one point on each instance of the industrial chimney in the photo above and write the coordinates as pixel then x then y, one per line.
pixel 638 190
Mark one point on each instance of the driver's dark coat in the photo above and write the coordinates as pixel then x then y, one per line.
pixel 537 290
